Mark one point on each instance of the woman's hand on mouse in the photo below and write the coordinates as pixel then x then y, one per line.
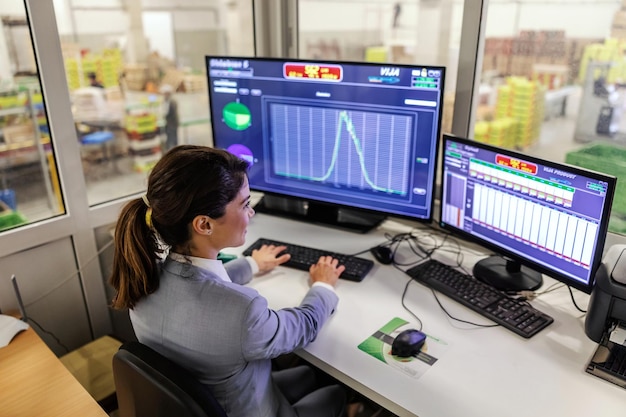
pixel 267 257
pixel 327 269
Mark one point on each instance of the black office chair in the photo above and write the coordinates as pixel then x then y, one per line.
pixel 150 385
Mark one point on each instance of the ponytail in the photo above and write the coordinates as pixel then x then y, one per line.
pixel 188 181
pixel 137 250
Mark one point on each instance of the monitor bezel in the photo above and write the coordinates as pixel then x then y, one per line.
pixel 334 204
pixel 499 250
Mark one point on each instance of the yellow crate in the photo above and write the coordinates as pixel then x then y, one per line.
pixel 141 123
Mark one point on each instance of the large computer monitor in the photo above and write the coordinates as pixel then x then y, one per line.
pixel 327 138
pixel 540 216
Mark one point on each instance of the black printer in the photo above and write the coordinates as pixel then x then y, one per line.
pixel 605 322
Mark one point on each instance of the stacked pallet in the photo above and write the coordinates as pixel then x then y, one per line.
pixel 499 132
pixel 78 64
pixel 518 114
pixel 144 141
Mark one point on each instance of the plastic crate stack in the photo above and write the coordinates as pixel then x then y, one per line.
pixel 522 100
pixel 110 67
pixel 107 67
pixel 73 73
pixel 499 132
pixel 89 63
pixel 503 102
pixel 481 131
pixel 144 140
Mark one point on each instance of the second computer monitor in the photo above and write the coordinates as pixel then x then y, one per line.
pixel 542 216
pixel 335 135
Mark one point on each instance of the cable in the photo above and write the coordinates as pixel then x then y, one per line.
pixel 414 244
pixel 571 294
pixel 426 252
pixel 526 295
pixel 408 309
pixel 451 245
pixel 390 240
pixel 56 339
pixel 361 252
pixel 457 319
pixel 531 295
pixel 60 284
pixel 72 275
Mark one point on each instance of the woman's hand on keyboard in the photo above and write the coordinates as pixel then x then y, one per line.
pixel 327 269
pixel 267 257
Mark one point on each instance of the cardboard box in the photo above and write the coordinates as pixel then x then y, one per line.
pixel 195 83
pixel 19 133
pixel 551 76
pixel 618 28
pixel 174 78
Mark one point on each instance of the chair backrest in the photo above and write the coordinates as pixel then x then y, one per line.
pixel 149 384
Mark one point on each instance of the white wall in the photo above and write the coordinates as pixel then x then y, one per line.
pixel 12 8
pixel 109 16
pixel 579 19
pixel 193 20
pixel 89 22
pixel 158 28
pixel 320 15
pixel 181 3
pixel 505 18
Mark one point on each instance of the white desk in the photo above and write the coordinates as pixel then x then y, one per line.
pixel 484 372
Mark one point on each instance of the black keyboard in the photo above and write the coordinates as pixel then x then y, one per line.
pixel 303 257
pixel 515 315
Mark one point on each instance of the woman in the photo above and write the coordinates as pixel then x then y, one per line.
pixel 188 306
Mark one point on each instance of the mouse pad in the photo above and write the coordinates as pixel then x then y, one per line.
pixel 378 345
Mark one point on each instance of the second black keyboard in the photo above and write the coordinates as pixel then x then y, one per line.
pixel 302 257
pixel 515 315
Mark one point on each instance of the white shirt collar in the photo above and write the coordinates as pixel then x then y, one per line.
pixel 213 265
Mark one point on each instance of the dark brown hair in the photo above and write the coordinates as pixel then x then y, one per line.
pixel 188 181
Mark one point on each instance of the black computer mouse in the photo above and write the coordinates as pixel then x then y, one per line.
pixel 383 254
pixel 408 343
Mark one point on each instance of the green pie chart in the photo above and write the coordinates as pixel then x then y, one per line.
pixel 236 116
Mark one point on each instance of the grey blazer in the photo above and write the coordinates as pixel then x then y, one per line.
pixel 226 334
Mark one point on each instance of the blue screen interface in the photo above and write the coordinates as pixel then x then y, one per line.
pixel 359 135
pixel 551 215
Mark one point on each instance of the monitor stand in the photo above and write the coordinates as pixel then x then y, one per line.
pixel 506 274
pixel 326 214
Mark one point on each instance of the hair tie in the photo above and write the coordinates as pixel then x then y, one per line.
pixel 149 217
pixel 148 211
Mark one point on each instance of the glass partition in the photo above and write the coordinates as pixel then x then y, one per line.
pixel 423 33
pixel 555 87
pixel 29 182
pixel 136 79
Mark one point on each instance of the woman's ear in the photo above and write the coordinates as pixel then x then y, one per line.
pixel 202 225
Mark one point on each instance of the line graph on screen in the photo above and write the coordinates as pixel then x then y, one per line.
pixel 343 147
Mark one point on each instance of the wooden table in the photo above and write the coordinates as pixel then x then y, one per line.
pixel 34 382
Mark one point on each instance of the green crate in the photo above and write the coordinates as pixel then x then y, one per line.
pixel 610 159
pixel 9 219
